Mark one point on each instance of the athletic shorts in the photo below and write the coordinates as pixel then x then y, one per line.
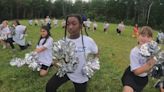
pixel 136 82
pixel 44 67
pixel 118 31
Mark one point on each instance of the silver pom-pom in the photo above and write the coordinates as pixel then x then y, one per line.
pixel 161 37
pixel 157 71
pixel 64 53
pixel 3 36
pixel 149 49
pixel 160 56
pixel 91 66
pixel 17 62
pixel 30 59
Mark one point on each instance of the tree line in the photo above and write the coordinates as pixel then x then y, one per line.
pixel 143 12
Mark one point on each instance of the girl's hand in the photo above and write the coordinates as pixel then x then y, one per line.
pixel 151 61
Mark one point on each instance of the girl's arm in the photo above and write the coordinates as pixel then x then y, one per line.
pixel 146 67
pixel 38 50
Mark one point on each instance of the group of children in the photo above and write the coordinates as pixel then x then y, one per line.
pixel 14 34
pixel 44 22
pixel 134 78
pixel 86 23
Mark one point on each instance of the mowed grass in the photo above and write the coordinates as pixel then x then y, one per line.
pixel 114 57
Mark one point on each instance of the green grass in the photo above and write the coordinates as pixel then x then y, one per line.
pixel 114 58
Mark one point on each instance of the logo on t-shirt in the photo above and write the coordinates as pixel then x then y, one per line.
pixel 80 49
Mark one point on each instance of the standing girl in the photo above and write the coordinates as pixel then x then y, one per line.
pixel 84 46
pixel 94 26
pixel 120 28
pixel 135 31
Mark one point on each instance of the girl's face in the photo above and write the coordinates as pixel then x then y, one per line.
pixel 4 23
pixel 143 39
pixel 73 26
pixel 43 33
pixel 14 23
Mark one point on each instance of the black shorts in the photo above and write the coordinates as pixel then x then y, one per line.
pixel 105 29
pixel 118 31
pixel 136 82
pixel 9 40
pixel 44 67
pixel 94 28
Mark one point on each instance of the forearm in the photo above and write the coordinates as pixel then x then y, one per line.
pixel 38 50
pixel 145 68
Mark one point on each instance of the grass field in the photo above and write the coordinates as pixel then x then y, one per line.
pixel 114 58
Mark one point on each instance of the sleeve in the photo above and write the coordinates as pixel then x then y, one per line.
pixel 49 43
pixel 94 48
pixel 23 27
pixel 134 61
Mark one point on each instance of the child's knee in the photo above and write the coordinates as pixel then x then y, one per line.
pixel 43 73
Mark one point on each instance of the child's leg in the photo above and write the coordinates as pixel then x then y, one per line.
pixel 128 89
pixel 80 87
pixel 10 41
pixel 104 29
pixel 4 44
pixel 43 70
pixel 55 82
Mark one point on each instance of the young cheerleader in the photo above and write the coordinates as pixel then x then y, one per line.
pixel 94 26
pixel 135 31
pixel 6 31
pixel 44 50
pixel 19 36
pixel 84 45
pixel 135 76
pixel 106 27
pixel 120 28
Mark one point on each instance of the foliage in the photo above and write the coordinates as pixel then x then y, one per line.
pixel 135 11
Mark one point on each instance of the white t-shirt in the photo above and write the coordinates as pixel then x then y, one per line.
pixel 45 57
pixel 121 27
pixel 55 21
pixel 6 31
pixel 48 20
pixel 88 23
pixel 95 25
pixel 136 60
pixel 19 35
pixel 90 47
pixel 106 25
pixel 30 22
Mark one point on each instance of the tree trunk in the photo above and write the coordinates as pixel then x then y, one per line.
pixel 148 13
